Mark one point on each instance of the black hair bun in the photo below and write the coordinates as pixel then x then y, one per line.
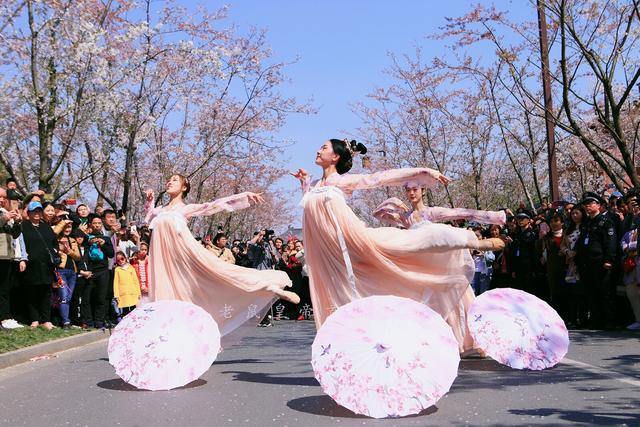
pixel 358 147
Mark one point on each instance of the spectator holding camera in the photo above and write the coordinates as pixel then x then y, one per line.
pixel 13 194
pixel 260 252
pixel 42 247
pixel 219 248
pixel 93 309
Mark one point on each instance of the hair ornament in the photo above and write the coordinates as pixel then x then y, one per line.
pixel 352 146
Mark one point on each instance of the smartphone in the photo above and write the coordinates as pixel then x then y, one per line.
pixel 134 229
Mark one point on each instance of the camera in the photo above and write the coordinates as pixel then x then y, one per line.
pixel 13 194
pixel 268 234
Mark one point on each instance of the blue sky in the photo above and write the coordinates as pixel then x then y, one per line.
pixel 343 49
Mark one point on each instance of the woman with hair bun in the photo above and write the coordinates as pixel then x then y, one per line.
pixel 348 260
pixel 394 212
pixel 181 268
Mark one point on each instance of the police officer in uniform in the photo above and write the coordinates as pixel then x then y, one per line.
pixel 596 252
pixel 523 259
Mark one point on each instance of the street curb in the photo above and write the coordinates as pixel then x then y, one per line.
pixel 24 354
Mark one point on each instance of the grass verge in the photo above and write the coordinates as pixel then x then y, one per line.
pixel 14 339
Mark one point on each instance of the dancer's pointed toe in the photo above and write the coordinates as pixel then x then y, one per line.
pixel 292 297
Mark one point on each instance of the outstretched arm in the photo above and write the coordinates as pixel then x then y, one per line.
pixel 229 204
pixel 438 214
pixel 394 177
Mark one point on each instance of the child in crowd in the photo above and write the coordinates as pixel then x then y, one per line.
pixel 140 262
pixel 126 287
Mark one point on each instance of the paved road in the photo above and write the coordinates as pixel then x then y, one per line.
pixel 267 381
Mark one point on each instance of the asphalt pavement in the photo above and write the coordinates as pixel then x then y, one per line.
pixel 267 380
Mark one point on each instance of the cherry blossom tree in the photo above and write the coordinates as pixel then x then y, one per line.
pixel 118 95
pixel 594 46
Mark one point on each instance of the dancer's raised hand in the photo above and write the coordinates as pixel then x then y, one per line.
pixel 444 179
pixel 149 195
pixel 301 174
pixel 255 197
pixel 436 175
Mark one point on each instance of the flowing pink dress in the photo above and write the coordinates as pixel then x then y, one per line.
pixel 181 268
pixel 348 260
pixel 395 213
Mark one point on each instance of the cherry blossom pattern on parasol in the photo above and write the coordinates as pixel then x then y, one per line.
pixel 164 345
pixel 385 356
pixel 518 329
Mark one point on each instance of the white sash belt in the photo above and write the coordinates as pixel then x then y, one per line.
pixel 329 193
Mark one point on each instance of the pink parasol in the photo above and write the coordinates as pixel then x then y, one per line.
pixel 385 356
pixel 518 329
pixel 164 345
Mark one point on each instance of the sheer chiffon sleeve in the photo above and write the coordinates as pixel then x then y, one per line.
pixel 394 177
pixel 150 211
pixel 439 214
pixel 393 212
pixel 305 184
pixel 229 204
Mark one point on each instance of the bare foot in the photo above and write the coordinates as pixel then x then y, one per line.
pixel 48 326
pixel 473 353
pixel 292 297
pixel 35 324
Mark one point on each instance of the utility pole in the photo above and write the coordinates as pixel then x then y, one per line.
pixel 548 103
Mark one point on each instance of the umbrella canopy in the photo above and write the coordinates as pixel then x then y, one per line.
pixel 164 345
pixel 385 356
pixel 518 329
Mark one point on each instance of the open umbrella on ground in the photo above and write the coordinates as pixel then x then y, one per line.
pixel 385 356
pixel 164 345
pixel 518 329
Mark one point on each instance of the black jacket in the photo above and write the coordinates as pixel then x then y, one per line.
pixel 522 251
pixel 38 241
pixel 98 265
pixel 597 242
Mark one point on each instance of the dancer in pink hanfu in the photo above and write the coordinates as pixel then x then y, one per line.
pixel 395 213
pixel 182 269
pixel 348 260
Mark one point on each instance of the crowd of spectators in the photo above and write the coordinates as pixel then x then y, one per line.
pixel 65 265
pixel 580 257
pixel 61 263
